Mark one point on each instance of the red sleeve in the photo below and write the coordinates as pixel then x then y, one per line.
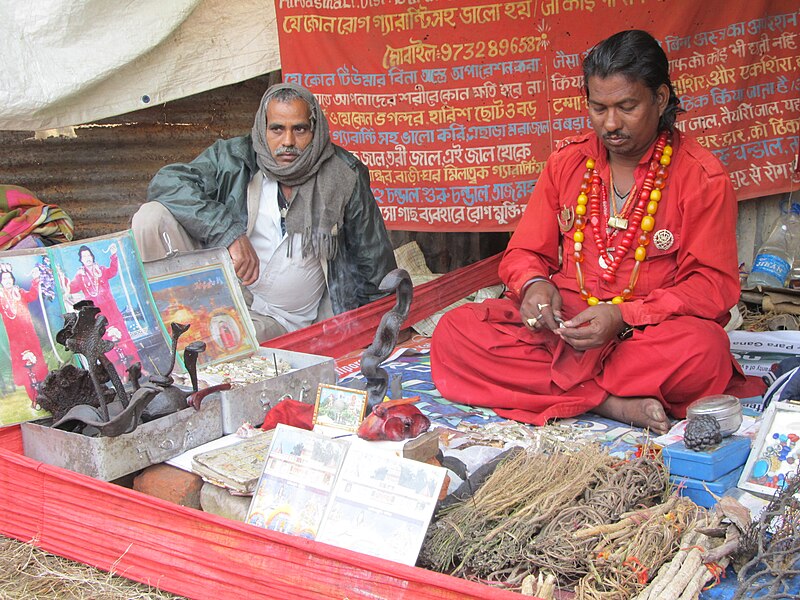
pixel 113 267
pixel 32 293
pixel 533 249
pixel 75 284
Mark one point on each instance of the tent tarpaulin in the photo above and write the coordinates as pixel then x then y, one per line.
pixel 68 63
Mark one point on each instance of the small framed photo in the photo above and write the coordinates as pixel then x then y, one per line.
pixel 776 450
pixel 339 410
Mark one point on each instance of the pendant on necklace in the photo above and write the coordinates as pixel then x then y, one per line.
pixel 617 222
pixel 605 259
pixel 566 218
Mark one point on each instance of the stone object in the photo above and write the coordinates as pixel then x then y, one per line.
pixel 702 432
pixel 219 501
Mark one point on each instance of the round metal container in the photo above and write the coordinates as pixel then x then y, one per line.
pixel 726 409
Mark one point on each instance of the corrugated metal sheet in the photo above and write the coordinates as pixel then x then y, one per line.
pixel 100 176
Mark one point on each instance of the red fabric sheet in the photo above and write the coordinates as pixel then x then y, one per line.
pixel 200 555
pixel 189 552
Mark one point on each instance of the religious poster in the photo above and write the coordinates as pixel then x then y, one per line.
pixel 200 289
pixel 30 317
pixel 107 271
pixel 296 482
pixel 456 105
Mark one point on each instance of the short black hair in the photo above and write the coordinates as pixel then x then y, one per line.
pixel 637 55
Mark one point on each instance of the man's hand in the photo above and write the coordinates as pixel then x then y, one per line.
pixel 593 327
pixel 245 260
pixel 541 306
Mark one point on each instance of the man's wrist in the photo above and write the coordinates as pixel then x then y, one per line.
pixel 529 283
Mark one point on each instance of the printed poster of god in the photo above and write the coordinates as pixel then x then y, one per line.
pixel 38 287
pixel 107 272
pixel 30 316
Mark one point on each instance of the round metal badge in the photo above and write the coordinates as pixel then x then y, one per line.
pixel 663 239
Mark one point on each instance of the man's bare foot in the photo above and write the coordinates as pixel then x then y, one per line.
pixel 639 412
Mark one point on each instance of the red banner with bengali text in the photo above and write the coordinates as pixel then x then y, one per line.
pixel 455 105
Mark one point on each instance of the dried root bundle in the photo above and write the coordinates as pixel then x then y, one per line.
pixel 487 536
pixel 772 544
pixel 628 553
pixel 702 556
pixel 558 549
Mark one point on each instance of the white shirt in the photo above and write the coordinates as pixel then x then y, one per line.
pixel 288 288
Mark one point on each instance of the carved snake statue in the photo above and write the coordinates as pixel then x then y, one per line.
pixel 398 281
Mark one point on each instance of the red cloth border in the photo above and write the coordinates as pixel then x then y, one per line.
pixel 189 552
pixel 356 328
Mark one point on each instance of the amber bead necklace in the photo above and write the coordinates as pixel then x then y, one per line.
pixel 590 199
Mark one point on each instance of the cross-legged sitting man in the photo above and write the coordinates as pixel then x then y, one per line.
pixel 295 212
pixel 621 273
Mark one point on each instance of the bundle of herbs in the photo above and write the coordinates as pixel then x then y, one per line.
pixel 488 536
pixel 623 486
pixel 628 553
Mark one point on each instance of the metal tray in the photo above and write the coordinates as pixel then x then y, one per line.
pixel 109 458
pixel 251 403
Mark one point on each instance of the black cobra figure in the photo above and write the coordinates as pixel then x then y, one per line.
pixel 398 281
pixel 83 333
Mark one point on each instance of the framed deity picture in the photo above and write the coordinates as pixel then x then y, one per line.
pixel 30 318
pixel 107 271
pixel 200 289
pixel 776 451
pixel 338 410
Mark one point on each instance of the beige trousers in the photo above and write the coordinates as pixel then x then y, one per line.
pixel 157 232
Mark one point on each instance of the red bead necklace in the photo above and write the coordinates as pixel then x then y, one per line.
pixel 593 197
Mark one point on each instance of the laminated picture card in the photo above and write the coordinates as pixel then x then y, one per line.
pixel 348 495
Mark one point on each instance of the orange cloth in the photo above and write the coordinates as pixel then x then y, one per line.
pixel 484 355
pixel 22 214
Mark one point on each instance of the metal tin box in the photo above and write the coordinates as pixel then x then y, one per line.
pixel 709 464
pixel 109 458
pixel 251 402
pixel 726 409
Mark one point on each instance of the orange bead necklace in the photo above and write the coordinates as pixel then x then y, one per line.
pixel 643 215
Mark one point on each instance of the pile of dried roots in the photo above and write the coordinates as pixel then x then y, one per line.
pixel 583 519
pixel 771 547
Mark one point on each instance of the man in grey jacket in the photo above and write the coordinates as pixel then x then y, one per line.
pixel 295 212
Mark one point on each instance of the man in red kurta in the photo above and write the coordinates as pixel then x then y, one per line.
pixel 621 273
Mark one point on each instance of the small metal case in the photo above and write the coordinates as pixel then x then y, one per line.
pixel 251 402
pixel 109 458
pixel 173 277
pixel 726 409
